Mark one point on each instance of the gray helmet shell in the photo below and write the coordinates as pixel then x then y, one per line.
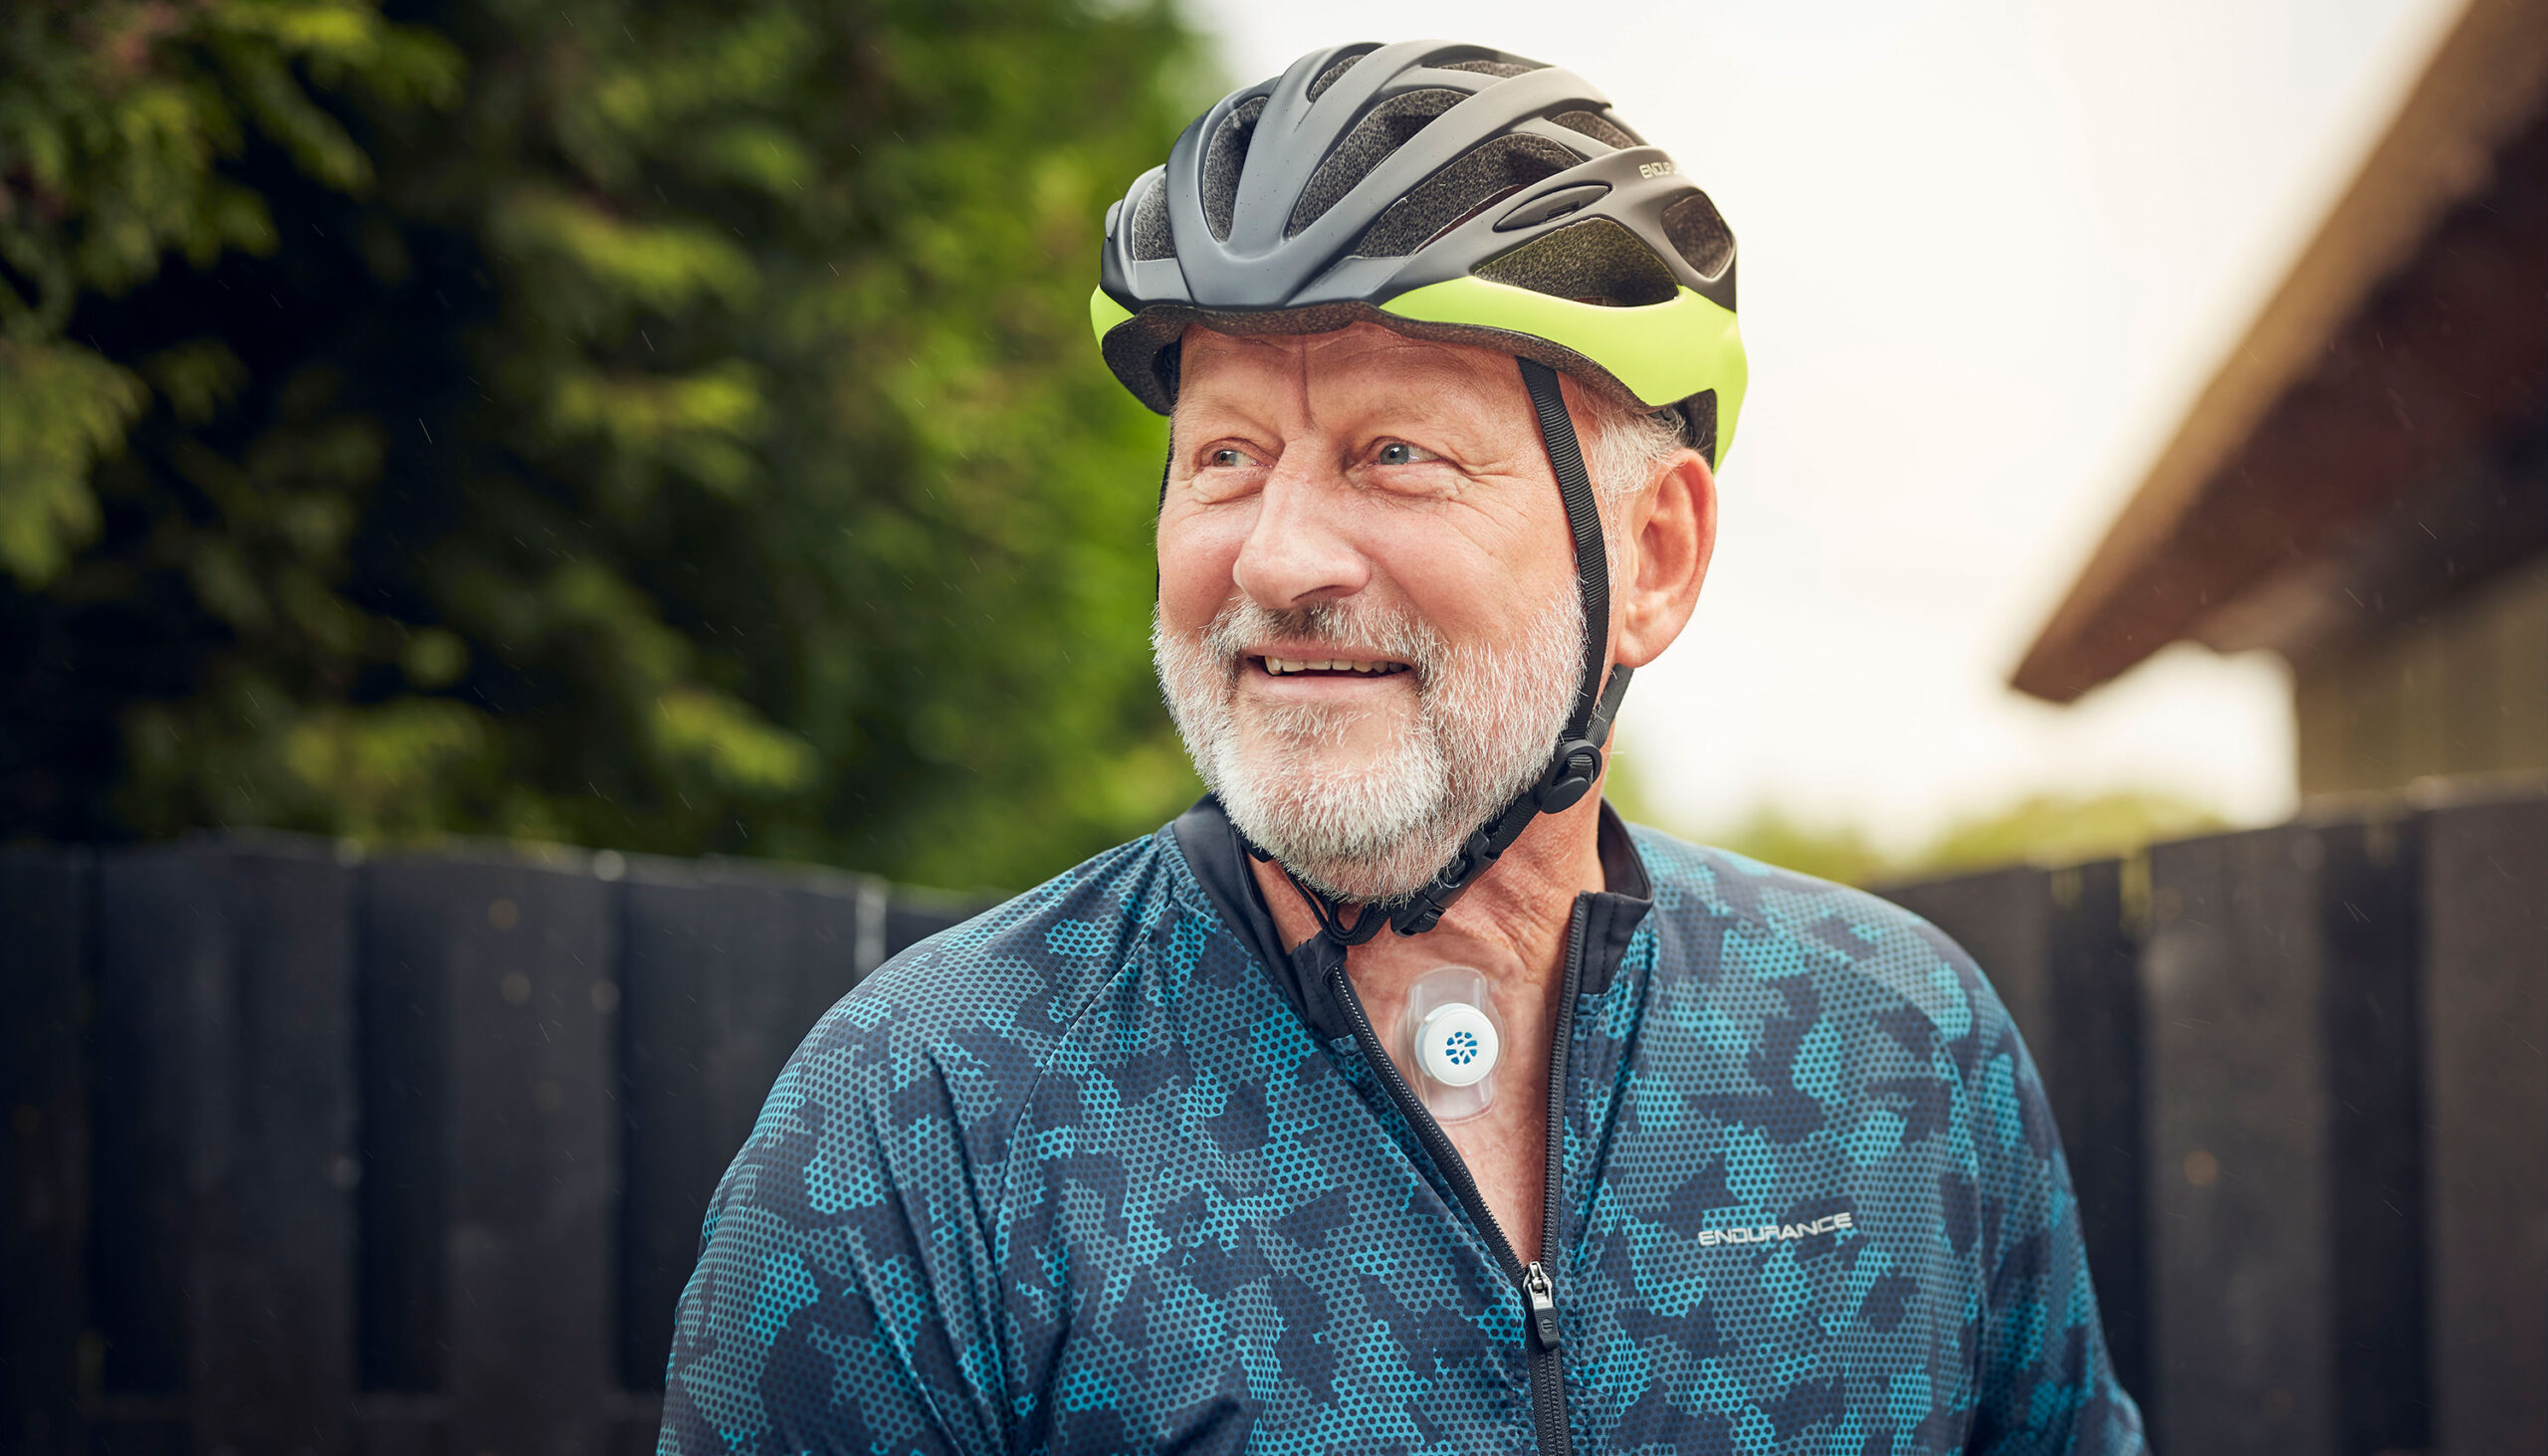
pixel 1365 171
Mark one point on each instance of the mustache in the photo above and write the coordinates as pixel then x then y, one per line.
pixel 1385 632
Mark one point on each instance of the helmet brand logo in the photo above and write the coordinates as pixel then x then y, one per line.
pixel 1654 169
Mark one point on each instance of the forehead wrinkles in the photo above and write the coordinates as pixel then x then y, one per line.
pixel 1361 369
pixel 1249 376
pixel 1396 372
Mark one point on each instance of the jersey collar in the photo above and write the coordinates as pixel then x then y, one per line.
pixel 1218 858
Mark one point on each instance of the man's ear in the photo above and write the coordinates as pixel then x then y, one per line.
pixel 1673 527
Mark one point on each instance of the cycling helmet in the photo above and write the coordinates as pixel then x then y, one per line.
pixel 1449 192
pixel 1459 194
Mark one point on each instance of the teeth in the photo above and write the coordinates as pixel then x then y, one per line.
pixel 1283 665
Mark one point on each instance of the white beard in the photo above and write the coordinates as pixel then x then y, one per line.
pixel 1487 720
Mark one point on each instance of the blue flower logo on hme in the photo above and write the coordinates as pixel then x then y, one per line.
pixel 1461 1048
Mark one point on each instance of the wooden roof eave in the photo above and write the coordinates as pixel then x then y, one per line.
pixel 2136 593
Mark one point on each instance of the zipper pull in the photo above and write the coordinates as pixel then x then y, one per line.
pixel 1543 1297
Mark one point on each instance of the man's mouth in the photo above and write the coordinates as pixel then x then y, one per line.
pixel 1328 667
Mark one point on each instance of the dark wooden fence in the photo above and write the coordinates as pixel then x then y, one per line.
pixel 2301 1075
pixel 309 1153
pixel 313 1154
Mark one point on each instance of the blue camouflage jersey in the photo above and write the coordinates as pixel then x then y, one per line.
pixel 1109 1169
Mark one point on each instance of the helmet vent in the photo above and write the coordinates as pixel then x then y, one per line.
pixel 1698 231
pixel 1222 161
pixel 1477 181
pixel 1152 238
pixel 1381 131
pixel 1596 261
pixel 1597 127
pixel 1334 74
pixel 1501 70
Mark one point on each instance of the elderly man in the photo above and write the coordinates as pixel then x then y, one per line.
pixel 1398 1097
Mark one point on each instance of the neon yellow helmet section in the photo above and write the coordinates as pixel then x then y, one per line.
pixel 1103 313
pixel 1663 353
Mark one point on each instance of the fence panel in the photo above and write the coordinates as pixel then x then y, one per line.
pixel 44 1148
pixel 271 1286
pixel 526 956
pixel 162 1010
pixel 2241 1246
pixel 404 1198
pixel 726 973
pixel 2370 883
pixel 2486 1014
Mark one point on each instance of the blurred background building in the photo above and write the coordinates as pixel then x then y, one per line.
pixel 2363 486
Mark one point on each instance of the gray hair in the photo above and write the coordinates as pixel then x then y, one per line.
pixel 1626 445
pixel 1623 452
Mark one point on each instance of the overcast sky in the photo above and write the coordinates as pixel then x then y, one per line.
pixel 1990 252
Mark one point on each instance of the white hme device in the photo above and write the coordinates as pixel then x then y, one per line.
pixel 1455 1039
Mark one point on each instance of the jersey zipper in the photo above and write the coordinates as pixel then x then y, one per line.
pixel 1541 1336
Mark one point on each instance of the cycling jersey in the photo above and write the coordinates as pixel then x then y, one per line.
pixel 1110 1170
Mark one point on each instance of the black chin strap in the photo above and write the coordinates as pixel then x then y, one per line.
pixel 1577 762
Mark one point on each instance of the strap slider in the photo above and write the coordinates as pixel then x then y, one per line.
pixel 1572 773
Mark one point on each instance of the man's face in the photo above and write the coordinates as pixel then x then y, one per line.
pixel 1368 630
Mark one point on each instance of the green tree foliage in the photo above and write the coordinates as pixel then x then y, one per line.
pixel 666 426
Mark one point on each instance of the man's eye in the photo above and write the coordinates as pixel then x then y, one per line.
pixel 1231 458
pixel 1399 452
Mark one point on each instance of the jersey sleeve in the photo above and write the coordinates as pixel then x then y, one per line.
pixel 2046 1383
pixel 843 1299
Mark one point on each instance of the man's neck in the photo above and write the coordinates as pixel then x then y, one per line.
pixel 1511 926
pixel 1511 923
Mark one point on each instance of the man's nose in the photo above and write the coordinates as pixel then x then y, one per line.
pixel 1296 552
